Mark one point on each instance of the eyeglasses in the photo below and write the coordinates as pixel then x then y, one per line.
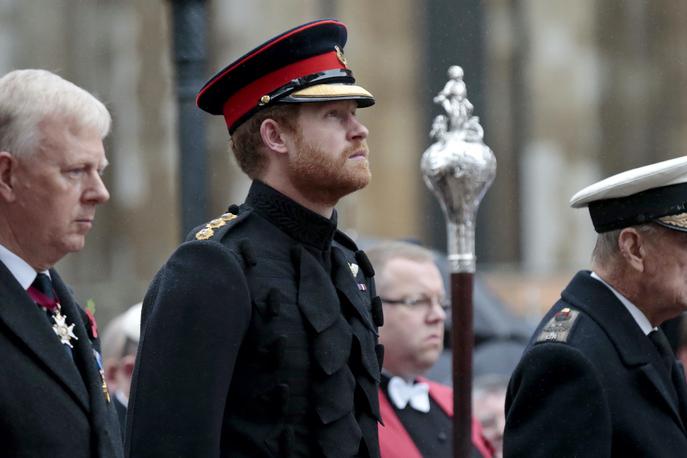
pixel 420 302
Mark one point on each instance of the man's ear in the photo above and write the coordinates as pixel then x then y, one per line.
pixel 632 247
pixel 8 164
pixel 273 136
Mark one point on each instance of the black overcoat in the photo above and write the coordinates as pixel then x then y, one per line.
pixel 259 339
pixel 599 391
pixel 50 406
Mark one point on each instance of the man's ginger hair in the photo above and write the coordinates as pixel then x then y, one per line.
pixel 246 141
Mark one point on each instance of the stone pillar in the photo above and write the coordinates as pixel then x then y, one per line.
pixel 562 146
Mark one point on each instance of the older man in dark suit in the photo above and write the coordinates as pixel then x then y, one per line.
pixel 599 378
pixel 53 398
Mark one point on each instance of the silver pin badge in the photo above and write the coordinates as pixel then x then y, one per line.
pixel 354 269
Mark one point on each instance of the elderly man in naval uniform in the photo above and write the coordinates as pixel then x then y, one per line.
pixel 598 377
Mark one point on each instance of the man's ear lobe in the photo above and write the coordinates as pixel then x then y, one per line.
pixel 273 136
pixel 632 248
pixel 7 167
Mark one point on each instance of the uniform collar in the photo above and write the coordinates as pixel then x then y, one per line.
pixel 298 222
pixel 639 317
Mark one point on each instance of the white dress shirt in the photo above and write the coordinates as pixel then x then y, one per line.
pixel 639 317
pixel 22 271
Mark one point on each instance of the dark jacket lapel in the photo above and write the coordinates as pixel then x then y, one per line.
pixel 680 387
pixel 82 351
pixel 348 285
pixel 635 349
pixel 27 321
pixel 103 416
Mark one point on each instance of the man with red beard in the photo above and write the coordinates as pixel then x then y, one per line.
pixel 416 412
pixel 259 335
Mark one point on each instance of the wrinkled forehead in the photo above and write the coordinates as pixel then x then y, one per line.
pixel 68 136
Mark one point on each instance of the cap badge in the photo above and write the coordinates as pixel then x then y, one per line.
pixel 340 55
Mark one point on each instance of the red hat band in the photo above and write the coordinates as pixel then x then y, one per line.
pixel 249 97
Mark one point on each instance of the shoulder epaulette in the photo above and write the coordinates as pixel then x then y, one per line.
pixel 209 229
pixel 217 226
pixel 558 328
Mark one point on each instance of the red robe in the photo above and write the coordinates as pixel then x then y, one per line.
pixel 394 440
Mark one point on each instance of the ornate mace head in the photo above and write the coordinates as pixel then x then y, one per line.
pixel 458 168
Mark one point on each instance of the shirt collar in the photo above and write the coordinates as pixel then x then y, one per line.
pixel 639 317
pixel 121 397
pixel 20 269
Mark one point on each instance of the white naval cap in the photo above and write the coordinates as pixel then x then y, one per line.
pixel 131 322
pixel 121 335
pixel 655 192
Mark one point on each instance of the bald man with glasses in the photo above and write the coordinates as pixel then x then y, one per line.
pixel 416 412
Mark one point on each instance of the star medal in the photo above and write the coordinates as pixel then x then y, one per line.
pixel 63 330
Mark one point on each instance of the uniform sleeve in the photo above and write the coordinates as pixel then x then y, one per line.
pixel 195 315
pixel 556 406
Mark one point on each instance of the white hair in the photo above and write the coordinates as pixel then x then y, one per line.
pixel 27 97
pixel 606 249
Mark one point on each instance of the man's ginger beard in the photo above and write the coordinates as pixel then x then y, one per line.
pixel 324 177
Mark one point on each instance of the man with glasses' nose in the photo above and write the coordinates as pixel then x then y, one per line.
pixel 416 412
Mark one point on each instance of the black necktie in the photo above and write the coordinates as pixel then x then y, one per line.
pixel 43 293
pixel 661 343
pixel 660 340
pixel 668 357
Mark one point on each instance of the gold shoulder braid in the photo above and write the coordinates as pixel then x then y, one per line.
pixel 209 229
pixel 558 328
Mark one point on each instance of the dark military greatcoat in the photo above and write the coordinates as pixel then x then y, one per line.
pixel 52 402
pixel 592 384
pixel 259 339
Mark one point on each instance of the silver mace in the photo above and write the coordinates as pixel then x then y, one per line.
pixel 459 168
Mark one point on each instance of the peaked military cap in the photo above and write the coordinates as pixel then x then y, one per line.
pixel 655 192
pixel 304 64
